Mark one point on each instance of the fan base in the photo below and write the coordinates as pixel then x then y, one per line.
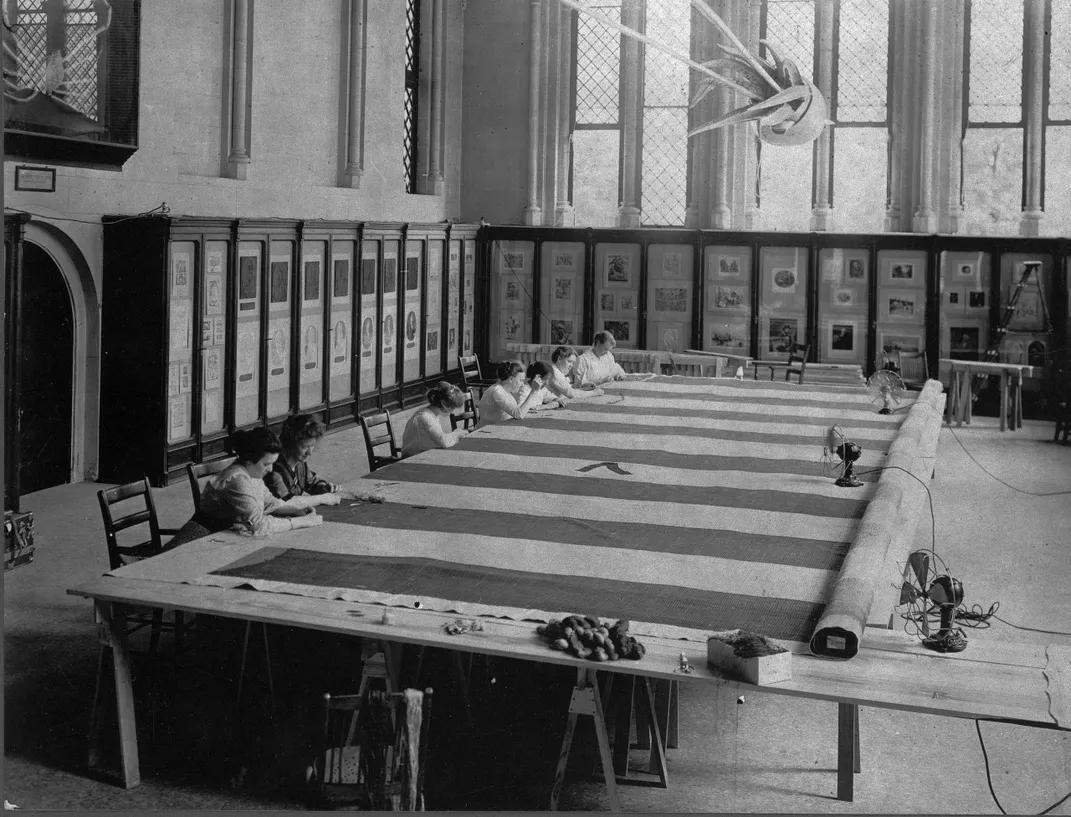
pixel 848 482
pixel 946 641
pixel 885 411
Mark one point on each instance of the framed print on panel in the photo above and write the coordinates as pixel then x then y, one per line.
pixel 977 300
pixel 728 266
pixel 563 290
pixel 619 270
pixel 955 300
pixel 513 260
pixel 783 280
pixel 622 331
pixel 731 334
pixel 671 264
pixel 902 305
pixel 964 342
pixel 842 339
pixel 727 296
pixel 857 270
pixel 966 272
pixel 891 343
pixel 563 260
pixel 561 332
pixel 903 272
pixel 671 299
pixel 626 302
pixel 607 301
pixel 843 297
pixel 781 334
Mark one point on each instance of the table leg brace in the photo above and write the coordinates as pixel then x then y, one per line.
pixel 112 635
pixel 586 700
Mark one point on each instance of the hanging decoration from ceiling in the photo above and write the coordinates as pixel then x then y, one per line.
pixel 788 108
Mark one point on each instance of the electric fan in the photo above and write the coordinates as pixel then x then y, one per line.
pixel 841 453
pixel 944 592
pixel 886 386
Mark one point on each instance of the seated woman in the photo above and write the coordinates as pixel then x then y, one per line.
pixel 499 402
pixel 290 477
pixel 424 430
pixel 537 377
pixel 237 499
pixel 563 359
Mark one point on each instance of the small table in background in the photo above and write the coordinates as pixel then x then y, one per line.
pixel 960 393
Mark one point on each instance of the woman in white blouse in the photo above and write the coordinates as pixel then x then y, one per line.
pixel 237 499
pixel 499 403
pixel 424 430
pixel 564 360
pixel 538 379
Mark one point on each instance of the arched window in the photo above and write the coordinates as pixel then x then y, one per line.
pixel 786 174
pixel 861 112
pixel 993 143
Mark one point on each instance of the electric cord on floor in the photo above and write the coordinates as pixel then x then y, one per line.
pixel 925 487
pixel 989 778
pixel 998 479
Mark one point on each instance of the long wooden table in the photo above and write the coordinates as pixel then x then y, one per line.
pixel 1001 682
pixel 693 482
pixel 961 391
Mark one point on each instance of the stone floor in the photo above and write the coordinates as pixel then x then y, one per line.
pixel 1005 539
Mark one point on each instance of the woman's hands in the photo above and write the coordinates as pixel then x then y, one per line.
pixel 309 520
pixel 328 499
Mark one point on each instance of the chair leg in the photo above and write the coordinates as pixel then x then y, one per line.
pixel 157 624
pixel 180 631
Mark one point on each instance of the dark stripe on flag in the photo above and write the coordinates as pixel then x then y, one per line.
pixel 748 416
pixel 663 459
pixel 854 387
pixel 720 544
pixel 637 491
pixel 582 427
pixel 744 399
pixel 608 598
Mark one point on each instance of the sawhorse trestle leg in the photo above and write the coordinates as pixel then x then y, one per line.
pixel 586 700
pixel 655 709
pixel 848 764
pixel 111 619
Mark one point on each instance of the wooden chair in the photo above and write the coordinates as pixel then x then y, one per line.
pixel 203 470
pixel 472 378
pixel 367 742
pixel 379 431
pixel 141 513
pixel 797 362
pixel 1063 422
pixel 470 417
pixel 913 369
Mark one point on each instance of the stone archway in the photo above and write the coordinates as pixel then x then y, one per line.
pixel 72 263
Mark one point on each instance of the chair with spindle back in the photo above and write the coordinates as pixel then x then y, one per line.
pixel 372 751
pixel 378 431
pixel 202 470
pixel 472 377
pixel 797 362
pixel 124 508
pixel 470 417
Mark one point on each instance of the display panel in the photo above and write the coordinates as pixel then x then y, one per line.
pixel 213 336
pixel 468 298
pixel 389 326
pixel 727 300
pixel 311 293
pixel 511 295
pixel 901 310
pixel 181 273
pixel 1029 338
pixel 617 293
pixel 562 294
pixel 279 328
pixel 453 303
pixel 783 280
pixel 368 282
pixel 412 283
pixel 433 333
pixel 247 347
pixel 843 303
pixel 669 297
pixel 340 334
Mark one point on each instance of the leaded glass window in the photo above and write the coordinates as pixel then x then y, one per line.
pixel 1059 78
pixel 863 62
pixel 995 93
pixel 664 160
pixel 412 90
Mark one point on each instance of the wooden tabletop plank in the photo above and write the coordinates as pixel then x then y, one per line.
pixel 892 670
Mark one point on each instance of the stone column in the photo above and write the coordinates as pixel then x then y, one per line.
pixel 435 174
pixel 752 205
pixel 533 212
pixel 925 217
pixel 564 214
pixel 628 213
pixel 822 206
pixel 1033 115
pixel 355 95
pixel 241 56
